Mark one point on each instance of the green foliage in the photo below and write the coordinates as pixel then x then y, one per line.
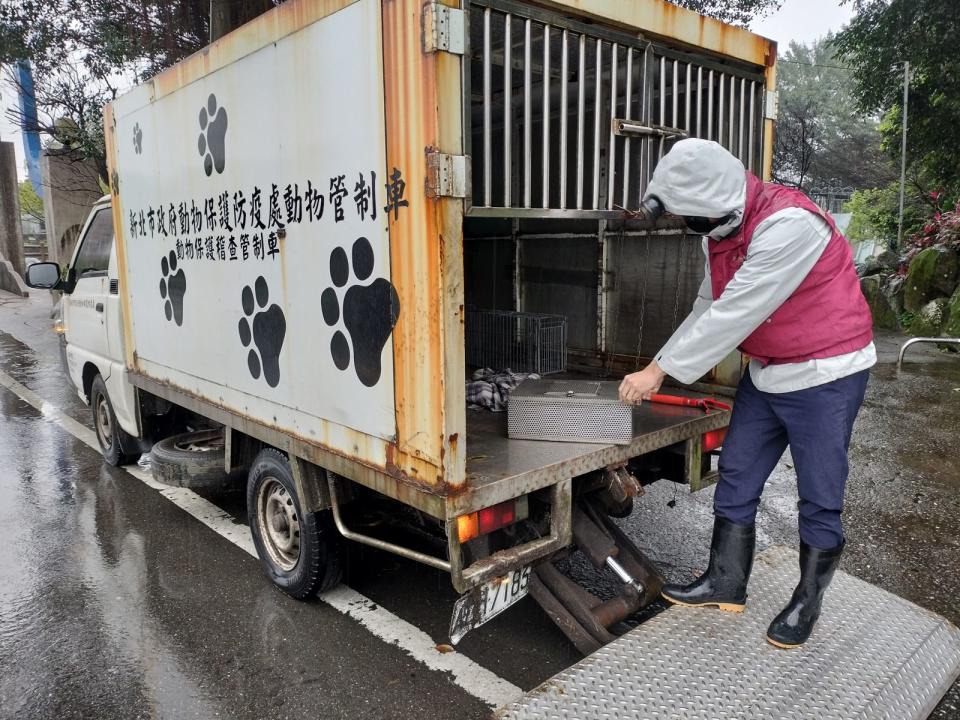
pixel 30 202
pixel 819 141
pixel 875 213
pixel 85 52
pixel 738 12
pixel 884 34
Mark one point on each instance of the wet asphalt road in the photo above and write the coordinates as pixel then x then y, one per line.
pixel 114 603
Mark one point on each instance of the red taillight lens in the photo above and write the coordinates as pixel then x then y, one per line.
pixel 713 439
pixel 498 516
pixel 491 518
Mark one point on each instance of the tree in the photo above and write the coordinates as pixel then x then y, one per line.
pixel 884 34
pixel 85 52
pixel 819 141
pixel 738 12
pixel 30 202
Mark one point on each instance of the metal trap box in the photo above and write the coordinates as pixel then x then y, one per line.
pixel 569 410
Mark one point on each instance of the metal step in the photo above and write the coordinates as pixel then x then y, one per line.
pixel 873 655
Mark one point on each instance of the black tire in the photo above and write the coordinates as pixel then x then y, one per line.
pixel 112 438
pixel 300 553
pixel 191 460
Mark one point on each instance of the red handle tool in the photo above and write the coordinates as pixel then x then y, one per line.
pixel 705 404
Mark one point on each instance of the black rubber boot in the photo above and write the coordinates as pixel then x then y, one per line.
pixel 793 625
pixel 724 584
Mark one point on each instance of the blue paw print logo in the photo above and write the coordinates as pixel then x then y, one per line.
pixel 213 133
pixel 369 312
pixel 263 330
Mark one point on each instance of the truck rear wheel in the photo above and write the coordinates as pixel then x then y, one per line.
pixel 300 552
pixel 110 435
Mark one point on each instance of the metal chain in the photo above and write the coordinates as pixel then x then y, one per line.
pixel 643 299
pixel 676 301
pixel 612 348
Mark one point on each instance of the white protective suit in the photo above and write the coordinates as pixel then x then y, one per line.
pixel 700 178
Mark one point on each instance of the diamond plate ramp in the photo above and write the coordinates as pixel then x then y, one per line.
pixel 873 655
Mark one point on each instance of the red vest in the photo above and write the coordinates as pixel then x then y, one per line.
pixel 825 316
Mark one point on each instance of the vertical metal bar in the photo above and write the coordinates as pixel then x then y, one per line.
pixel 527 116
pixel 720 86
pixel 643 114
pixel 733 96
pixel 710 108
pixel 487 122
pixel 612 146
pixel 581 117
pixel 545 169
pixel 625 194
pixel 507 109
pixel 663 91
pixel 743 119
pixel 563 120
pixel 675 97
pixel 649 78
pixel 596 126
pixel 663 103
pixel 700 101
pixel 686 100
pixel 753 120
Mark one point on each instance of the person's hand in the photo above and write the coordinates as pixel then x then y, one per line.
pixel 639 386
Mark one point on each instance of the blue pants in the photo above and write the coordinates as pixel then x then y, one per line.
pixel 816 423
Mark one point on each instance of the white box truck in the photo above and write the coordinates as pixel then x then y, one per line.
pixel 300 217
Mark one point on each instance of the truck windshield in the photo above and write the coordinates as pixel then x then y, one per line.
pixel 94 255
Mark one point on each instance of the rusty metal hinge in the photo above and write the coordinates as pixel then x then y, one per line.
pixel 443 29
pixel 447 175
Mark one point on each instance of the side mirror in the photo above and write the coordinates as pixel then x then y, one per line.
pixel 43 276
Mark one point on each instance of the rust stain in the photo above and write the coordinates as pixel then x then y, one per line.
pixel 410 100
pixel 268 28
pixel 665 20
pixel 110 132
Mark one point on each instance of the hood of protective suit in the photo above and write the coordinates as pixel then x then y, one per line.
pixel 699 177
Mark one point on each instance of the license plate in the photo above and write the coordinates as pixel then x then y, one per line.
pixel 487 601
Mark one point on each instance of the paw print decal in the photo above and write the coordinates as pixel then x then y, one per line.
pixel 266 330
pixel 137 139
pixel 173 286
pixel 213 132
pixel 369 312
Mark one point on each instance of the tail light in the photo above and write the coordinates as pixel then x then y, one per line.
pixel 491 518
pixel 713 439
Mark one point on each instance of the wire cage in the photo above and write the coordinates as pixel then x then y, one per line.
pixel 519 341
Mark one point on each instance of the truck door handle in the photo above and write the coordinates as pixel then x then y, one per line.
pixel 99 307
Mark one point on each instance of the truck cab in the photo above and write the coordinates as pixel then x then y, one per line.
pixel 92 329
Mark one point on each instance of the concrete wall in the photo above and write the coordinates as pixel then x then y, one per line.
pixel 11 241
pixel 70 189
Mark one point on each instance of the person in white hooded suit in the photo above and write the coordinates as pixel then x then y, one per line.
pixel 780 285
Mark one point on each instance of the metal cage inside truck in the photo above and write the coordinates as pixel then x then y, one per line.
pixel 315 214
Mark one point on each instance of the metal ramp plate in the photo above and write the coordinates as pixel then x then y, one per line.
pixel 873 655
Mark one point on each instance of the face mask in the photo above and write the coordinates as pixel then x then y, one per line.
pixel 703 226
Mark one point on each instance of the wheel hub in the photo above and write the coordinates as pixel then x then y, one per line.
pixel 279 523
pixel 104 426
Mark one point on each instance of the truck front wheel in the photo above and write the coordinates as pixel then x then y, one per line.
pixel 110 435
pixel 299 551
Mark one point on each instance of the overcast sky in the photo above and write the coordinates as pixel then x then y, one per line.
pixel 802 20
